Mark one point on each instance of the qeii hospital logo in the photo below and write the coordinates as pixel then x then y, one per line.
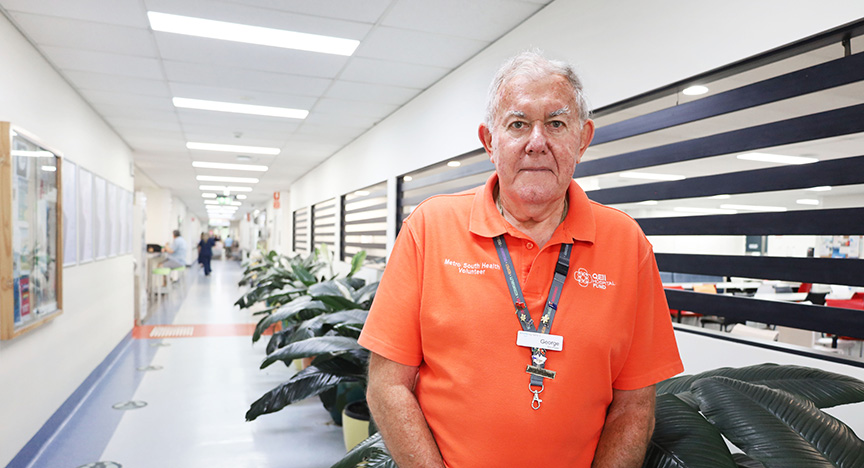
pixel 597 280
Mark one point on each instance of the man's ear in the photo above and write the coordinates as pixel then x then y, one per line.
pixel 485 138
pixel 585 138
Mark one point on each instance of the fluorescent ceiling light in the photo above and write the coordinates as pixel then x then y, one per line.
pixel 776 158
pixel 693 209
pixel 233 167
pixel 454 164
pixel 232 148
pixel 223 188
pixel 211 202
pixel 650 176
pixel 648 202
pixel 240 108
pixel 250 34
pixel 821 188
pixel 807 201
pixel 49 168
pixel 242 180
pixel 241 196
pixel 235 203
pixel 208 195
pixel 720 197
pixel 33 154
pixel 407 178
pixel 753 208
pixel 695 90
pixel 361 193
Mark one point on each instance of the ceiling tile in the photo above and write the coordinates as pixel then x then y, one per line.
pixel 367 11
pixel 99 97
pixel 418 47
pixel 131 126
pixel 123 13
pixel 342 119
pixel 392 73
pixel 241 96
pixel 250 57
pixel 240 78
pixel 236 122
pixel 264 17
pixel 118 84
pixel 111 110
pixel 485 20
pixel 87 35
pixel 370 92
pixel 102 62
pixel 343 106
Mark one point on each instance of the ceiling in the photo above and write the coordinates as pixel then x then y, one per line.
pixel 129 74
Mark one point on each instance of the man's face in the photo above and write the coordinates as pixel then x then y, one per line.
pixel 536 141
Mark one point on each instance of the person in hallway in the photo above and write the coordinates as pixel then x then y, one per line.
pixel 205 252
pixel 176 252
pixel 521 324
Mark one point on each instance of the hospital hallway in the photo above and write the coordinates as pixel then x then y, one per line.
pixel 175 394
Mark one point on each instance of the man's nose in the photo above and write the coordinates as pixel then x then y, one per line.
pixel 537 140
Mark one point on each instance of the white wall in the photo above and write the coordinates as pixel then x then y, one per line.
pixel 622 48
pixel 40 369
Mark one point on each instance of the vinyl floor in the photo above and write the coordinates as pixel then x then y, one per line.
pixel 183 385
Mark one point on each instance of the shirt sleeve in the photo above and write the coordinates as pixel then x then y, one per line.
pixel 653 354
pixel 392 329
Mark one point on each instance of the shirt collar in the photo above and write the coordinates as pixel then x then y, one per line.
pixel 487 221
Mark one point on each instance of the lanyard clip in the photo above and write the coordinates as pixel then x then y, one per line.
pixel 535 402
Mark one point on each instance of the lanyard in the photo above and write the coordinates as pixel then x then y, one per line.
pixel 538 355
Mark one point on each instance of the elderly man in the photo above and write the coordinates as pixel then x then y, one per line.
pixel 176 252
pixel 521 324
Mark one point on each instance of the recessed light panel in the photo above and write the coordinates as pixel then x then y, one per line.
pixel 695 90
pixel 223 188
pixel 650 176
pixel 776 158
pixel 250 34
pixel 200 104
pixel 232 167
pixel 193 145
pixel 753 208
pixel 242 180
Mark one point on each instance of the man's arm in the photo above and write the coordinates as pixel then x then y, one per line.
pixel 396 412
pixel 628 429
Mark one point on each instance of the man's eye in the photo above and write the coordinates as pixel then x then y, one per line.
pixel 556 124
pixel 517 125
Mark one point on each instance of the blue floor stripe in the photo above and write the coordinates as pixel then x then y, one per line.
pixel 68 438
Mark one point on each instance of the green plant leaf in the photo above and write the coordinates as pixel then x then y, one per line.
pixel 357 262
pixel 372 451
pixel 301 308
pixel 825 389
pixel 775 427
pixel 365 294
pixel 306 383
pixel 330 288
pixel 304 275
pixel 744 461
pixel 683 438
pixel 311 347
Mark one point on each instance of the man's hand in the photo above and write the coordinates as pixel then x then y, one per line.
pixel 396 412
pixel 628 429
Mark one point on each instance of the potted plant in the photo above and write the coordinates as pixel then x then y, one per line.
pixel 770 412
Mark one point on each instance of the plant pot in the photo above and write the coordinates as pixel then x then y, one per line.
pixel 355 423
pixel 345 392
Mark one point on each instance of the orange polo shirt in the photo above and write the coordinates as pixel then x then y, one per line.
pixel 443 305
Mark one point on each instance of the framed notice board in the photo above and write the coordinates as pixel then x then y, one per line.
pixel 31 229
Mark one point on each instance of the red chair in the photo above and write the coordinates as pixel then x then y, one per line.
pixel 805 287
pixel 857 302
pixel 678 314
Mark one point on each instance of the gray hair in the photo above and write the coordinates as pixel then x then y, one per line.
pixel 532 63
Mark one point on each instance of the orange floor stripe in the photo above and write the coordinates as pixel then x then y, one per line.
pixel 200 330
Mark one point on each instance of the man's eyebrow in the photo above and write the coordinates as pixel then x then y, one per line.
pixel 561 111
pixel 516 113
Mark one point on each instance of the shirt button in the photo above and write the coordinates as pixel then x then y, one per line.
pixel 529 246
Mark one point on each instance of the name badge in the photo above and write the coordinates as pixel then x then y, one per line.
pixel 540 340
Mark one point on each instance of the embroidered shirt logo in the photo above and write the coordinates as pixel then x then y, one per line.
pixel 596 280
